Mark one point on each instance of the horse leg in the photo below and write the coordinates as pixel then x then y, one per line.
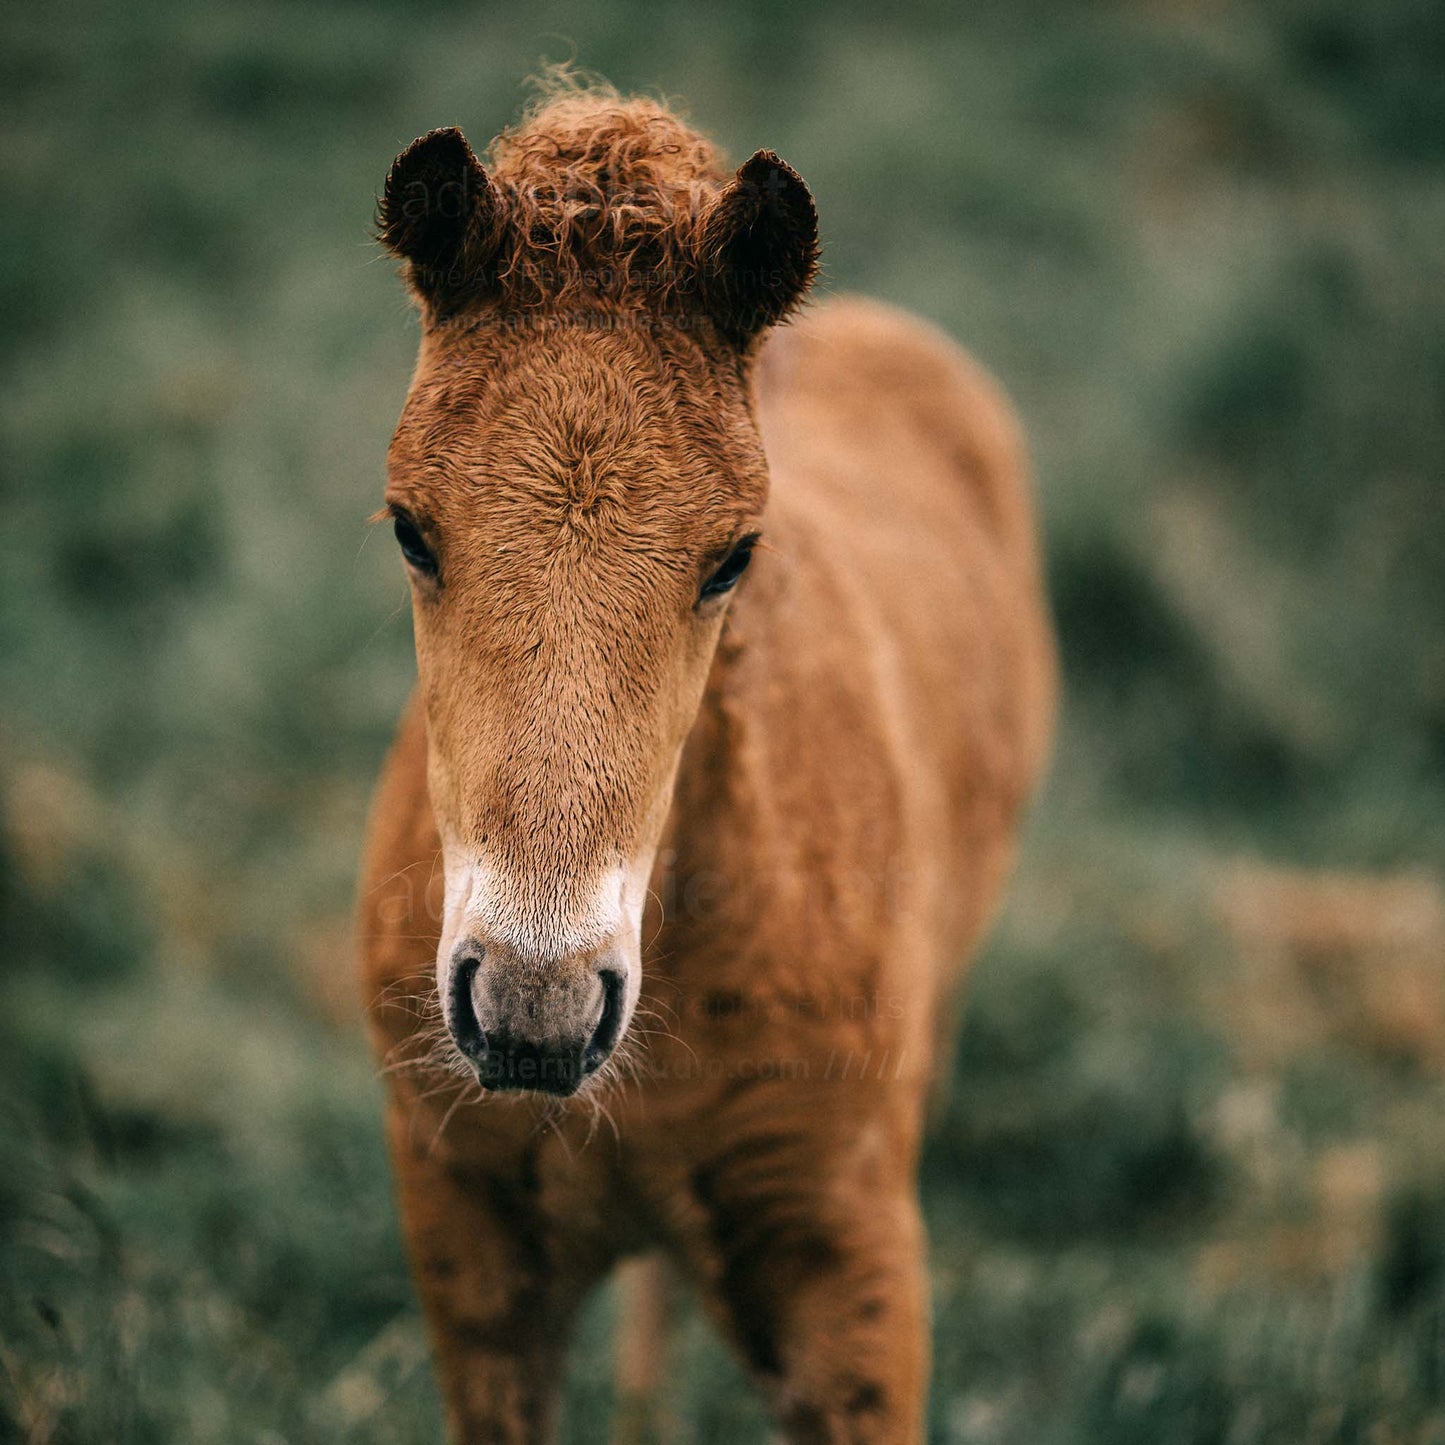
pixel 648 1290
pixel 824 1288
pixel 499 1305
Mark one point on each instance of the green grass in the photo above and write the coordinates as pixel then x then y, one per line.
pixel 1199 247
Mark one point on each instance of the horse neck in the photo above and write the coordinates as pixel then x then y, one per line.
pixel 707 858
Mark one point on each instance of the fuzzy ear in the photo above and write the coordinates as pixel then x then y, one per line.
pixel 758 248
pixel 441 214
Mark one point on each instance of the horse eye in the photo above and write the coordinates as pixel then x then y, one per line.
pixel 729 570
pixel 413 546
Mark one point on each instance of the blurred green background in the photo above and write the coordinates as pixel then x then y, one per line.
pixel 1189 1186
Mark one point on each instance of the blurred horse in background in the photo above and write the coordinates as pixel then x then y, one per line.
pixel 735 675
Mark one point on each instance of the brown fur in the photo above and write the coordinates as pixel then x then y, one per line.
pixel 830 767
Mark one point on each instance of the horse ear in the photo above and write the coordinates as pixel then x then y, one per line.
pixel 441 214
pixel 758 247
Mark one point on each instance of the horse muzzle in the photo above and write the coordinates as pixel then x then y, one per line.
pixel 529 1024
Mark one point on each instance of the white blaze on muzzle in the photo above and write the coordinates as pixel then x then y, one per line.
pixel 529 976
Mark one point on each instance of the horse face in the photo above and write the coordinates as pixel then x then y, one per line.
pixel 574 507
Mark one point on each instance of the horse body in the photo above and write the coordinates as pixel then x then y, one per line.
pixel 833 836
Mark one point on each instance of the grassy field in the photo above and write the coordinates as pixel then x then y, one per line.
pixel 1190 1185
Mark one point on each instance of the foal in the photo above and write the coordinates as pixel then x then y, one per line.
pixel 734 676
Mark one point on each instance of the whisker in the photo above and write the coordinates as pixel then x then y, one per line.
pixel 447 1118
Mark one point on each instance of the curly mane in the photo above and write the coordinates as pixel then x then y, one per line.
pixel 603 191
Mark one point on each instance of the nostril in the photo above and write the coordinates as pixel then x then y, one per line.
pixel 463 1011
pixel 604 1036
